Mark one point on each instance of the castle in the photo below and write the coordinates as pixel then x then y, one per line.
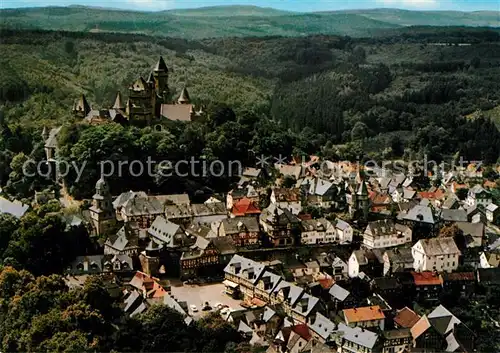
pixel 149 103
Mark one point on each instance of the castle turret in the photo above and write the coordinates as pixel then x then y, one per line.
pixel 45 134
pixel 160 74
pixel 82 107
pixel 118 102
pixel 184 97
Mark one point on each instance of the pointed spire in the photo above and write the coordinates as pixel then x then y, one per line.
pixel 82 105
pixel 184 97
pixel 363 189
pixel 118 102
pixel 160 65
pixel 45 133
pixel 151 78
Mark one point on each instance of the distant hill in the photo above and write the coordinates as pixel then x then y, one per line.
pixel 224 21
pixel 230 10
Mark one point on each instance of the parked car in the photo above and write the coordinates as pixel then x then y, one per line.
pixel 193 307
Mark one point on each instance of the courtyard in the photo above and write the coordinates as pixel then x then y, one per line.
pixel 199 294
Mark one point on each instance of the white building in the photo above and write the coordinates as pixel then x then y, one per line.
pixel 344 231
pixel 317 231
pixel 489 260
pixel 478 196
pixel 440 254
pixel 492 212
pixel 385 234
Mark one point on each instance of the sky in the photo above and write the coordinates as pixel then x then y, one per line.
pixel 291 5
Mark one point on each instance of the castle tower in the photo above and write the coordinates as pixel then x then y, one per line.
pixel 119 102
pixel 102 212
pixel 160 75
pixel 184 97
pixel 81 107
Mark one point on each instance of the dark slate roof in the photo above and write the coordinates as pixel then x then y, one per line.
pixel 239 224
pixel 160 65
pixel 452 215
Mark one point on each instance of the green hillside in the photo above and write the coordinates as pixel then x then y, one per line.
pixel 242 21
pixel 431 18
pixel 230 10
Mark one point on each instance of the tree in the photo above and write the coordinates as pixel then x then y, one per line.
pixel 462 193
pixel 359 131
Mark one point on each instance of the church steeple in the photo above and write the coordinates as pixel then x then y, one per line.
pixel 118 102
pixel 102 211
pixel 184 97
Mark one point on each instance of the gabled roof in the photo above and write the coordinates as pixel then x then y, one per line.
pixel 177 112
pixel 164 231
pixel 443 320
pixel 245 206
pixel 160 65
pixel 452 215
pixel 406 318
pixel 243 268
pixel 290 291
pixel 367 313
pixel 341 224
pixel 357 335
pixel 15 208
pixel 438 246
pixel 321 325
pixel 427 278
pixel 139 85
pixel 491 207
pixel 420 327
pixel 338 292
pixel 305 304
pixel 420 213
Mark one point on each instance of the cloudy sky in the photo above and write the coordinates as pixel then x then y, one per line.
pixel 292 5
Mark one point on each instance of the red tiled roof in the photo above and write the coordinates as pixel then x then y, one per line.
pixel 244 207
pixel 304 217
pixel 459 276
pixel 436 195
pixel 367 313
pixel 420 327
pixel 406 318
pixel 303 331
pixel 326 283
pixel 490 184
pixel 427 278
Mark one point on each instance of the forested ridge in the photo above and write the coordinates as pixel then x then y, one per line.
pixel 401 95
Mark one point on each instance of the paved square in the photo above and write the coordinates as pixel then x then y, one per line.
pixel 199 294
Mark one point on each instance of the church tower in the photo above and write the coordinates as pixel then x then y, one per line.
pixel 363 200
pixel 160 76
pixel 102 212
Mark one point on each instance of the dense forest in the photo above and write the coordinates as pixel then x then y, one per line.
pixel 41 314
pixel 417 93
